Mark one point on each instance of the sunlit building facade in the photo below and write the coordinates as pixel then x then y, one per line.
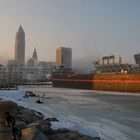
pixel 64 57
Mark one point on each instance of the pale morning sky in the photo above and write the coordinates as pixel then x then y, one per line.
pixel 92 28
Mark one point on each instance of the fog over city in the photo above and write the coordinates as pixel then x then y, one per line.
pixel 92 28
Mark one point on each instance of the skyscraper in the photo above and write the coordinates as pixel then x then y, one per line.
pixel 20 46
pixel 64 57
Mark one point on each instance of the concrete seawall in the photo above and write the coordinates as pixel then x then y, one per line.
pixel 110 82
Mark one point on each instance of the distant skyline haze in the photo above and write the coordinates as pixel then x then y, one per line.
pixel 92 28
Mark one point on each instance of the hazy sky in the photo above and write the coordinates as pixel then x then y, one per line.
pixel 92 28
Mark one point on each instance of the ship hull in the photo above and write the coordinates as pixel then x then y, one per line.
pixel 109 82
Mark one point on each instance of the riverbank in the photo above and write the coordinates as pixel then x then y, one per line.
pixel 93 113
pixel 35 127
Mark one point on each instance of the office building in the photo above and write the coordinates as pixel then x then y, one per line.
pixel 64 57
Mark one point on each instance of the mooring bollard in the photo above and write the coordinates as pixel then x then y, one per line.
pixel 6 106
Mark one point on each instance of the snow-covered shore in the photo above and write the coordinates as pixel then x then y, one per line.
pixel 94 113
pixel 17 97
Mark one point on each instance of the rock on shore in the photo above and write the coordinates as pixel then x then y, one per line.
pixel 35 127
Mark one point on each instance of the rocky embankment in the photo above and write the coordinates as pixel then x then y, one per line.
pixel 34 127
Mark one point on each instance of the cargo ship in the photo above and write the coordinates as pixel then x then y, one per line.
pixel 110 82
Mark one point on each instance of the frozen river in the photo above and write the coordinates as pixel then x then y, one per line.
pixel 112 117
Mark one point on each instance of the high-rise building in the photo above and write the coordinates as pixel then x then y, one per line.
pixel 64 57
pixel 20 46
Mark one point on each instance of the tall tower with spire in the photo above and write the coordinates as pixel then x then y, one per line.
pixel 34 57
pixel 20 46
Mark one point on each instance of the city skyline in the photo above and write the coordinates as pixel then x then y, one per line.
pixel 96 27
